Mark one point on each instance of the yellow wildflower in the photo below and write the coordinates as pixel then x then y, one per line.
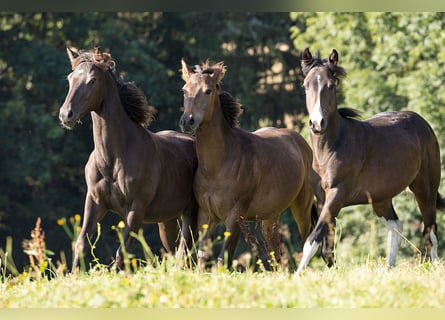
pixel 61 221
pixel 77 217
pixel 227 234
pixel 205 226
pixel 121 224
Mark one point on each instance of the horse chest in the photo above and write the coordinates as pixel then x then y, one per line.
pixel 114 188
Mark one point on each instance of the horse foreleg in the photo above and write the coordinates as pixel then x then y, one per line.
pixel 93 213
pixel 133 223
pixel 207 229
pixel 324 231
pixel 231 236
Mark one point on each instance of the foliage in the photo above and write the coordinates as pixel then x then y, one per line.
pixel 41 165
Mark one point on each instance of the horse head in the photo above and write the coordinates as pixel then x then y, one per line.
pixel 201 88
pixel 86 84
pixel 321 77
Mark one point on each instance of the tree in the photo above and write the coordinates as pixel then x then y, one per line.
pixel 41 164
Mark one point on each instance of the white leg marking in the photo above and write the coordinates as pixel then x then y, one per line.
pixel 394 239
pixel 433 238
pixel 309 251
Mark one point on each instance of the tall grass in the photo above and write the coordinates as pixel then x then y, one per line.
pixel 166 282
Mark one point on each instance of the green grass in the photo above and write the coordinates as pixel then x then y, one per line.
pixel 166 283
pixel 368 284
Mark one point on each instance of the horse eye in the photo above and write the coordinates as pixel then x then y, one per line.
pixel 92 81
pixel 208 91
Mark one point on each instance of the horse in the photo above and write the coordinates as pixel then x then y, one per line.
pixel 367 162
pixel 142 176
pixel 242 175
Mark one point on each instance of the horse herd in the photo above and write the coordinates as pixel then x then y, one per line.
pixel 217 172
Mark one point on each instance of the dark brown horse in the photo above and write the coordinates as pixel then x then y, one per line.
pixel 144 177
pixel 243 176
pixel 370 161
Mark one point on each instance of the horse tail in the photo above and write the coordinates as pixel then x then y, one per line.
pixel 440 203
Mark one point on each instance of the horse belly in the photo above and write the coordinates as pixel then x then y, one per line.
pixel 170 201
pixel 384 182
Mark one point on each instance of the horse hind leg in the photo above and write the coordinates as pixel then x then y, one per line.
pixel 304 212
pixel 430 238
pixel 428 203
pixel 387 214
pixel 272 237
pixel 189 230
pixel 428 211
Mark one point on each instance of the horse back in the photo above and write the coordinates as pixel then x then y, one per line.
pixel 284 141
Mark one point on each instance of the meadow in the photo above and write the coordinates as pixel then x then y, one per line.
pixel 166 282
pixel 170 285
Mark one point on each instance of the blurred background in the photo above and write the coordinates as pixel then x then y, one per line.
pixel 394 61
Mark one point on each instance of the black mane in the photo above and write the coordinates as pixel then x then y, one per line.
pixel 231 108
pixel 349 113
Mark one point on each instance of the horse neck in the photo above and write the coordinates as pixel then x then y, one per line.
pixel 110 125
pixel 324 143
pixel 213 137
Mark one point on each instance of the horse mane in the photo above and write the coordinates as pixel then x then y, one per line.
pixel 134 102
pixel 231 108
pixel 349 113
pixel 132 98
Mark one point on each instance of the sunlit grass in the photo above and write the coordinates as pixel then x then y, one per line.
pixel 169 282
pixel 170 285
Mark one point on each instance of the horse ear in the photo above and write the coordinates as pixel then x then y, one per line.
pixel 98 54
pixel 333 57
pixel 73 53
pixel 186 70
pixel 306 59
pixel 219 70
pixel 109 61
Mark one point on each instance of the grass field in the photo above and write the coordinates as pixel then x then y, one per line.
pixel 166 283
pixel 366 284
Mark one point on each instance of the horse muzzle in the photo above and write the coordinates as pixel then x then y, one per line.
pixel 68 118
pixel 317 127
pixel 188 124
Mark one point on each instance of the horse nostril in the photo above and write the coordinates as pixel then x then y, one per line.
pixel 70 114
pixel 310 123
pixel 322 123
pixel 191 121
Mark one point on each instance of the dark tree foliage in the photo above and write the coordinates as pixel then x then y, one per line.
pixel 41 164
